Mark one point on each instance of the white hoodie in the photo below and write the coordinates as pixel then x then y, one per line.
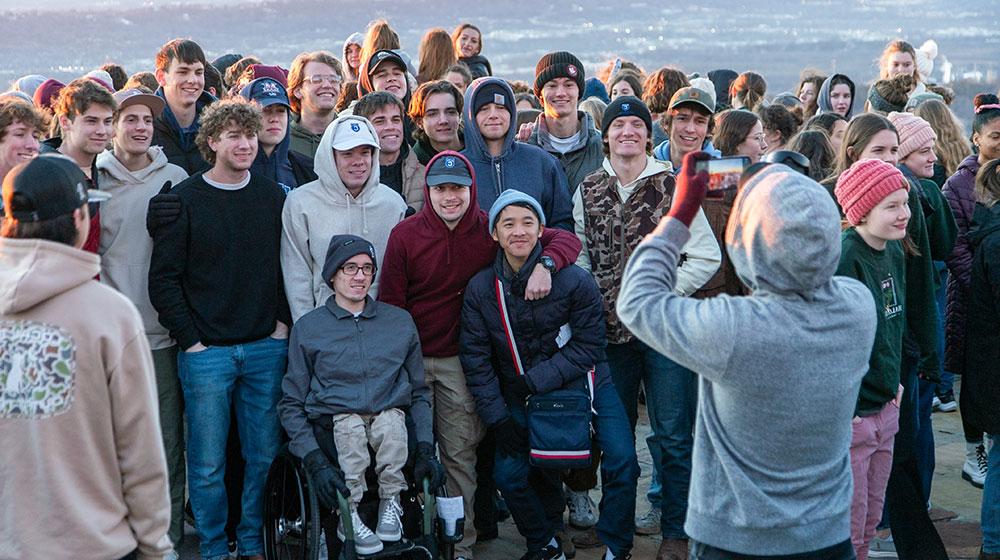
pixel 126 247
pixel 317 211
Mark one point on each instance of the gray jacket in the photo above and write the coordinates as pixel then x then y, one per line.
pixel 340 363
pixel 779 370
pixel 584 158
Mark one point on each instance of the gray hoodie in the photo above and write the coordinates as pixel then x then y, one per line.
pixel 779 370
pixel 317 211
pixel 126 248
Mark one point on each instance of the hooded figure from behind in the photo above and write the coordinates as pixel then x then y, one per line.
pixel 779 370
pixel 316 211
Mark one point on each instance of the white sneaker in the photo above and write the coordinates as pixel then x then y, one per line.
pixel 365 541
pixel 649 524
pixel 390 523
pixel 882 548
pixel 974 469
pixel 935 402
pixel 581 509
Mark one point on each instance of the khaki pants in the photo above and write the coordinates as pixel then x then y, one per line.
pixel 386 432
pixel 458 429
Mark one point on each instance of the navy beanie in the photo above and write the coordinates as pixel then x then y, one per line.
pixel 559 64
pixel 626 106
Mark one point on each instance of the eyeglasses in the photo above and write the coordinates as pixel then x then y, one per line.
pixel 319 79
pixel 351 269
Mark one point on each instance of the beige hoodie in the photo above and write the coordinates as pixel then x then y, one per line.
pixel 317 211
pixel 82 471
pixel 126 247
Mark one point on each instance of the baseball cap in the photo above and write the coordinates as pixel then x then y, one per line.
pixel 381 56
pixel 266 91
pixel 128 97
pixel 352 132
pixel 693 95
pixel 448 168
pixel 51 186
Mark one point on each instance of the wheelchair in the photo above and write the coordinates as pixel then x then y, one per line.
pixel 293 517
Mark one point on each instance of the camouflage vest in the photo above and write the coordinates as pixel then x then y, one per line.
pixel 615 227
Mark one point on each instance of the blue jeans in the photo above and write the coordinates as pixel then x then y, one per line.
pixel 534 495
pixel 671 399
pixel 247 376
pixel 990 517
pixel 926 459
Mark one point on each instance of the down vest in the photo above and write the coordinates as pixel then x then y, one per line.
pixel 483 348
pixel 958 190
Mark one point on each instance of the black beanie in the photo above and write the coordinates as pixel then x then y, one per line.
pixel 342 248
pixel 559 64
pixel 626 106
pixel 492 92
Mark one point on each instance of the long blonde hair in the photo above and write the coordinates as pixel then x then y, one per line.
pixel 952 146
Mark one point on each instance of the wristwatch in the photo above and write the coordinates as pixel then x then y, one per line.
pixel 548 263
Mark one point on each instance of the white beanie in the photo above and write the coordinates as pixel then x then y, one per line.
pixel 706 85
pixel 925 59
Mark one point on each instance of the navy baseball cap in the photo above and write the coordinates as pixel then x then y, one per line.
pixel 448 168
pixel 266 92
pixel 49 187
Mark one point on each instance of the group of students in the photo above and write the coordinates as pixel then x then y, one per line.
pixel 359 253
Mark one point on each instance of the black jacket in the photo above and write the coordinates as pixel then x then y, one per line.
pixel 180 147
pixel 486 356
pixel 980 398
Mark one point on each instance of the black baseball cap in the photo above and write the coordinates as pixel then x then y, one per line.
pixel 448 168
pixel 50 186
pixel 381 56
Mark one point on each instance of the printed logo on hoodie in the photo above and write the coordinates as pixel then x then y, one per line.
pixel 37 365
pixel 890 300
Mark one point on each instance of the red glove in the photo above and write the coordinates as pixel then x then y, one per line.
pixel 690 190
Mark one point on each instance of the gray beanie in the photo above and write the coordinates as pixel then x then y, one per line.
pixel 511 196
pixel 342 248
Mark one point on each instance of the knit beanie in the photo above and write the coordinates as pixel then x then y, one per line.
pixel 46 93
pixel 913 132
pixel 864 185
pixel 342 248
pixel 513 196
pixel 491 92
pixel 880 103
pixel 28 84
pixel 925 59
pixel 559 64
pixel 626 106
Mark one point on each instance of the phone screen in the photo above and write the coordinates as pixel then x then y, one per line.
pixel 723 173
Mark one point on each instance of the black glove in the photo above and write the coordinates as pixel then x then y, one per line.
pixel 518 388
pixel 426 466
pixel 163 209
pixel 327 479
pixel 512 438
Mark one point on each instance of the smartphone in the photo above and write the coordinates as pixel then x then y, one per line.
pixel 723 173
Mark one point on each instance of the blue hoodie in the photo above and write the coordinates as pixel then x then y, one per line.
pixel 524 167
pixel 662 152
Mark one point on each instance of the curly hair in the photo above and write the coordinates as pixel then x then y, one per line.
pixel 779 119
pixel 234 112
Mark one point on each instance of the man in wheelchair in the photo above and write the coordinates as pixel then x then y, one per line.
pixel 355 366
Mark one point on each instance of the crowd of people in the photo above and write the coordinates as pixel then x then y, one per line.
pixel 396 264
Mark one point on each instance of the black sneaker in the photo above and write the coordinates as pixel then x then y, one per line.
pixel 947 402
pixel 550 552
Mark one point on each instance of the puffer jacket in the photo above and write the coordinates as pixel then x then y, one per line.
pixel 981 381
pixel 483 348
pixel 958 191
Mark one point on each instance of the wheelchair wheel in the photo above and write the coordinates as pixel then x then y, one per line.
pixel 291 512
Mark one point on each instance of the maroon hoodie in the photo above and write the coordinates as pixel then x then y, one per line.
pixel 426 265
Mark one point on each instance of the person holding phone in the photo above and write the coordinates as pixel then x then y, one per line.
pixel 614 208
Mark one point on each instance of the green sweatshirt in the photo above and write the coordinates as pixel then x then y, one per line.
pixel 884 274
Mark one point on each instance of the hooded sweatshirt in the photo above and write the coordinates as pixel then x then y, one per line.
pixel 82 470
pixel 779 370
pixel 520 166
pixel 583 158
pixel 355 39
pixel 317 211
pixel 126 248
pixel 823 100
pixel 427 266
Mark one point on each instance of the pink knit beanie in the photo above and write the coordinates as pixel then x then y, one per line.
pixel 913 131
pixel 864 185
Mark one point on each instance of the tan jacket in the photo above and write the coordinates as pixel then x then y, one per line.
pixel 82 470
pixel 413 181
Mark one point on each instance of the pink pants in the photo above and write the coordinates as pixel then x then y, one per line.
pixel 871 462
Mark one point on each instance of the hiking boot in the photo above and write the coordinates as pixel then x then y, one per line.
pixel 581 509
pixel 649 524
pixel 365 541
pixel 390 523
pixel 882 548
pixel 567 545
pixel 587 539
pixel 673 549
pixel 974 469
pixel 946 402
